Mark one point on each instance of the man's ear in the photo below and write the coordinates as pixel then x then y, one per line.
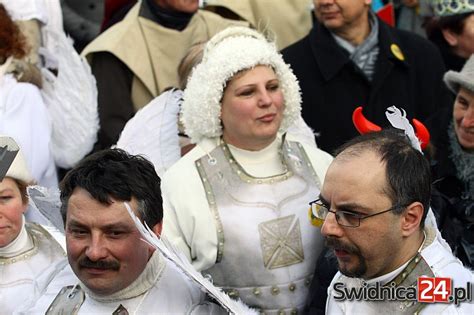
pixel 450 37
pixel 157 228
pixel 411 218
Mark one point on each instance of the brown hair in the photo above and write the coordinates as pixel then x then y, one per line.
pixel 12 41
pixel 22 187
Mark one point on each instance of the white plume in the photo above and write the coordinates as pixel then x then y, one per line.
pixel 153 131
pixel 398 120
pixel 71 98
pixel 45 207
pixel 182 263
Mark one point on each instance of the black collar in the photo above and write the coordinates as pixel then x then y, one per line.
pixel 167 18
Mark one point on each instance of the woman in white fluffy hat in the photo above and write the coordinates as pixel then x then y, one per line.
pixel 236 204
pixel 30 254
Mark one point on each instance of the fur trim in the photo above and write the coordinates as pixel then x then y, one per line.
pixel 227 53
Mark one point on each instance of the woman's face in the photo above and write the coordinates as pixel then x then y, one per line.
pixel 465 41
pixel 252 108
pixel 11 210
pixel 463 116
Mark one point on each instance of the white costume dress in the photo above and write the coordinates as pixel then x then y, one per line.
pixel 27 265
pixel 160 289
pixel 241 217
pixel 25 118
pixel 436 261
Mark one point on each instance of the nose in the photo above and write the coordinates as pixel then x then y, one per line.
pixel 96 250
pixel 331 227
pixel 323 2
pixel 468 118
pixel 265 99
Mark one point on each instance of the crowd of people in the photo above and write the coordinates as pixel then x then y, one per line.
pixel 230 130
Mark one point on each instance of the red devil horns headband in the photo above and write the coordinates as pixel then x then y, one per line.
pixel 363 126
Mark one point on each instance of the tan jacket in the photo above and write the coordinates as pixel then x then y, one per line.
pixel 153 52
pixel 289 21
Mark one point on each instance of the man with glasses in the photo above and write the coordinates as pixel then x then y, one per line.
pixel 372 207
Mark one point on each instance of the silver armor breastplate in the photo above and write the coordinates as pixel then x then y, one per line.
pixel 267 246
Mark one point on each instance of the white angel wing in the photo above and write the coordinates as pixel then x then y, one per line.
pixel 71 98
pixel 398 120
pixel 182 263
pixel 301 131
pixel 153 131
pixel 44 207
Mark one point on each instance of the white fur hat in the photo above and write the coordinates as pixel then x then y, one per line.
pixel 18 169
pixel 227 53
pixel 464 79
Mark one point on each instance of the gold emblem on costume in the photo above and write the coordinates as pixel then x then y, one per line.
pixel 281 242
pixel 397 52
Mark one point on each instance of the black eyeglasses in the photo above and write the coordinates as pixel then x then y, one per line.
pixel 343 218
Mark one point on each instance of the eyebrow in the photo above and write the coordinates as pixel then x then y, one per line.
pixel 119 225
pixel 349 207
pixel 275 80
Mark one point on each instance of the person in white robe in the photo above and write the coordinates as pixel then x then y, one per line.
pixel 236 204
pixel 30 254
pixel 117 271
pixel 373 206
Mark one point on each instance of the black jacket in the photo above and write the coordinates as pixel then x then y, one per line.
pixel 333 86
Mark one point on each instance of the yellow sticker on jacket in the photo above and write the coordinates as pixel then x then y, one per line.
pixel 397 52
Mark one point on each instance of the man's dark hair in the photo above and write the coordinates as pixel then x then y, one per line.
pixel 455 23
pixel 117 174
pixel 408 171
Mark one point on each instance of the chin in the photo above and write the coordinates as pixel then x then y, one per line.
pixel 192 7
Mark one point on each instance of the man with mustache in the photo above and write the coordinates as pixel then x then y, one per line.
pixel 119 273
pixel 373 203
pixel 351 58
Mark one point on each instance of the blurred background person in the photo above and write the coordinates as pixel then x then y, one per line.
pixel 82 20
pixel 23 115
pixel 452 30
pixel 136 59
pixel 351 58
pixel 412 14
pixel 452 136
pixel 244 220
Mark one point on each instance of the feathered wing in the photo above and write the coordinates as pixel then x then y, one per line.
pixel 153 131
pixel 181 262
pixel 44 207
pixel 71 98
pixel 398 119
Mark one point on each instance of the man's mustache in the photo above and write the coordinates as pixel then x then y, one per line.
pixel 334 243
pixel 100 264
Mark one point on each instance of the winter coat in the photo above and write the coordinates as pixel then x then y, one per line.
pixel 451 201
pixel 408 74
